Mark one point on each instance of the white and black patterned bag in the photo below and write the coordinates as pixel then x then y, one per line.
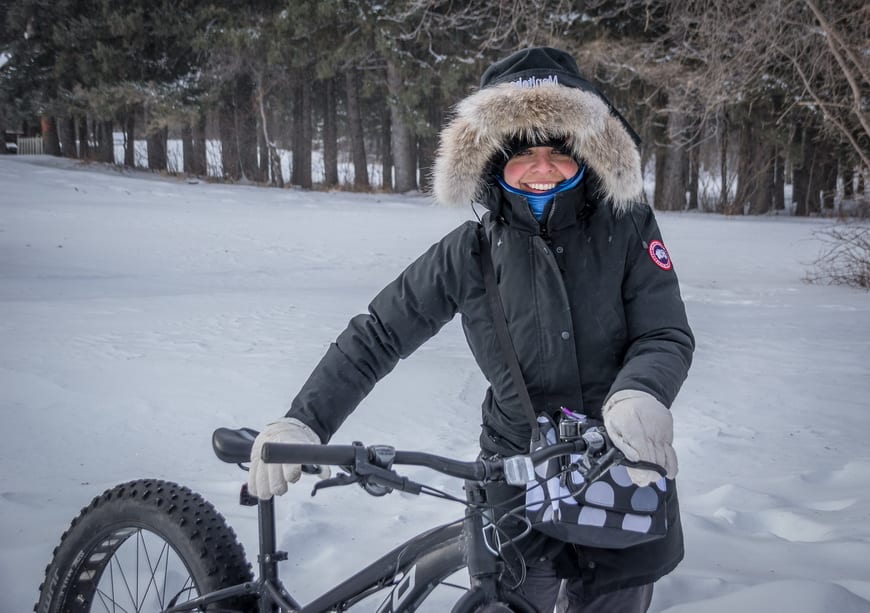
pixel 612 512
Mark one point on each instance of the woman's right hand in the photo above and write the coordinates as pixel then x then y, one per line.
pixel 267 480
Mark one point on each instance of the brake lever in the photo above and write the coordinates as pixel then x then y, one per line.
pixel 340 479
pixel 644 465
pixel 604 462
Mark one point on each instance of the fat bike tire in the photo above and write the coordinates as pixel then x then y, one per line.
pixel 143 546
pixel 474 601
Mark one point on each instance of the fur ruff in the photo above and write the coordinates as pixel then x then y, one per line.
pixel 485 121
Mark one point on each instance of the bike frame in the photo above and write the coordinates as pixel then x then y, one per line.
pixel 413 569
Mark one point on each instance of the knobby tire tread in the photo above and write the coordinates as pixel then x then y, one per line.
pixel 182 518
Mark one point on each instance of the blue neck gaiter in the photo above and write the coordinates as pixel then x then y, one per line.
pixel 537 202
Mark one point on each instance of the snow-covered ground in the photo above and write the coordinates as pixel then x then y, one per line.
pixel 138 313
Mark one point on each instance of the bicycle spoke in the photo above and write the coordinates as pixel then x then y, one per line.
pixel 116 608
pixel 120 568
pixel 143 574
pixel 136 597
pixel 165 579
pixel 102 595
pixel 153 568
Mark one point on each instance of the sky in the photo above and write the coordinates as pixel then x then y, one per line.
pixel 138 313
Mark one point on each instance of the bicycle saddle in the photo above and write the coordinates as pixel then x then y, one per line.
pixel 233 446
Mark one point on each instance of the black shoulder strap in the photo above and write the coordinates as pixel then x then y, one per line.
pixel 504 337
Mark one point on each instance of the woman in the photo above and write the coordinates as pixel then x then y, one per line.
pixel 589 292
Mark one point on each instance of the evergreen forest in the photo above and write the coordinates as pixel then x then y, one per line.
pixel 744 106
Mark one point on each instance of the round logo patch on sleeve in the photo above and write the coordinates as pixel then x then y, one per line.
pixel 660 255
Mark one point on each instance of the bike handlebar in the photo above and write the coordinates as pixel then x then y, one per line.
pixel 344 455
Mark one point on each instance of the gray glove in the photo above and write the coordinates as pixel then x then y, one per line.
pixel 267 480
pixel 642 428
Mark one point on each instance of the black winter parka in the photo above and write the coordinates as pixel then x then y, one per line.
pixel 589 311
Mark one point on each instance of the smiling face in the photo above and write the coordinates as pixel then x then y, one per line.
pixel 539 169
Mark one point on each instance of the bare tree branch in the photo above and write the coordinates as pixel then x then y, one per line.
pixel 823 106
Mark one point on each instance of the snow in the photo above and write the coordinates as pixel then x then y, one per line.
pixel 139 313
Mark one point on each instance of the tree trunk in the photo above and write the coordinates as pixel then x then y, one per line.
pixel 302 134
pixel 156 141
pixel 247 131
pixel 848 181
pixel 671 178
pixel 385 151
pixel 815 185
pixel 307 134
pixel 747 177
pixel 199 162
pixel 330 138
pixel 755 183
pixel 50 140
pixel 402 140
pixel 84 139
pixel 661 157
pixel 807 185
pixel 238 131
pixel 193 146
pixel 694 175
pixel 264 153
pixel 779 180
pixel 230 162
pixel 295 132
pixel 798 178
pixel 276 173
pixel 187 149
pixel 355 129
pixel 270 151
pixel 243 123
pixel 130 139
pixel 268 148
pixel 723 162
pixel 658 132
pixel 427 144
pixel 106 142
pixel 68 137
pixel 828 178
pixel 761 188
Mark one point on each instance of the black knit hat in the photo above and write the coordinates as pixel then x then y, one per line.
pixel 545 65
pixel 532 66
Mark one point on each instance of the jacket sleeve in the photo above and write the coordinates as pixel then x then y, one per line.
pixel 404 315
pixel 660 341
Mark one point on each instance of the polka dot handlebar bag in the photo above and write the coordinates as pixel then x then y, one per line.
pixel 610 513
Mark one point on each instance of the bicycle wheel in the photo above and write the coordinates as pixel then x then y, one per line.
pixel 143 546
pixel 473 602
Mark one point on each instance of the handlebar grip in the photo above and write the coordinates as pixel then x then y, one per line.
pixel 329 455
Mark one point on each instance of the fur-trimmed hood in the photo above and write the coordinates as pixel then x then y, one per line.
pixel 485 122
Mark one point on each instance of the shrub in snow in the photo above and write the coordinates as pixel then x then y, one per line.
pixel 845 255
